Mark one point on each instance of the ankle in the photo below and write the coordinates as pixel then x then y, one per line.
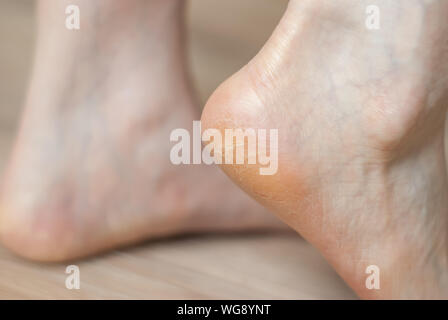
pixel 120 18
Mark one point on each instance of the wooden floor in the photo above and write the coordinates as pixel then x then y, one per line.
pixel 223 36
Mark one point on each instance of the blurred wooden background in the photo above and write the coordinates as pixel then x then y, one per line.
pixel 223 35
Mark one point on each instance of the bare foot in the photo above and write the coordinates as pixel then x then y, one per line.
pixel 90 169
pixel 361 116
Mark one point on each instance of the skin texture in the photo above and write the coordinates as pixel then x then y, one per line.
pixel 361 117
pixel 90 169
